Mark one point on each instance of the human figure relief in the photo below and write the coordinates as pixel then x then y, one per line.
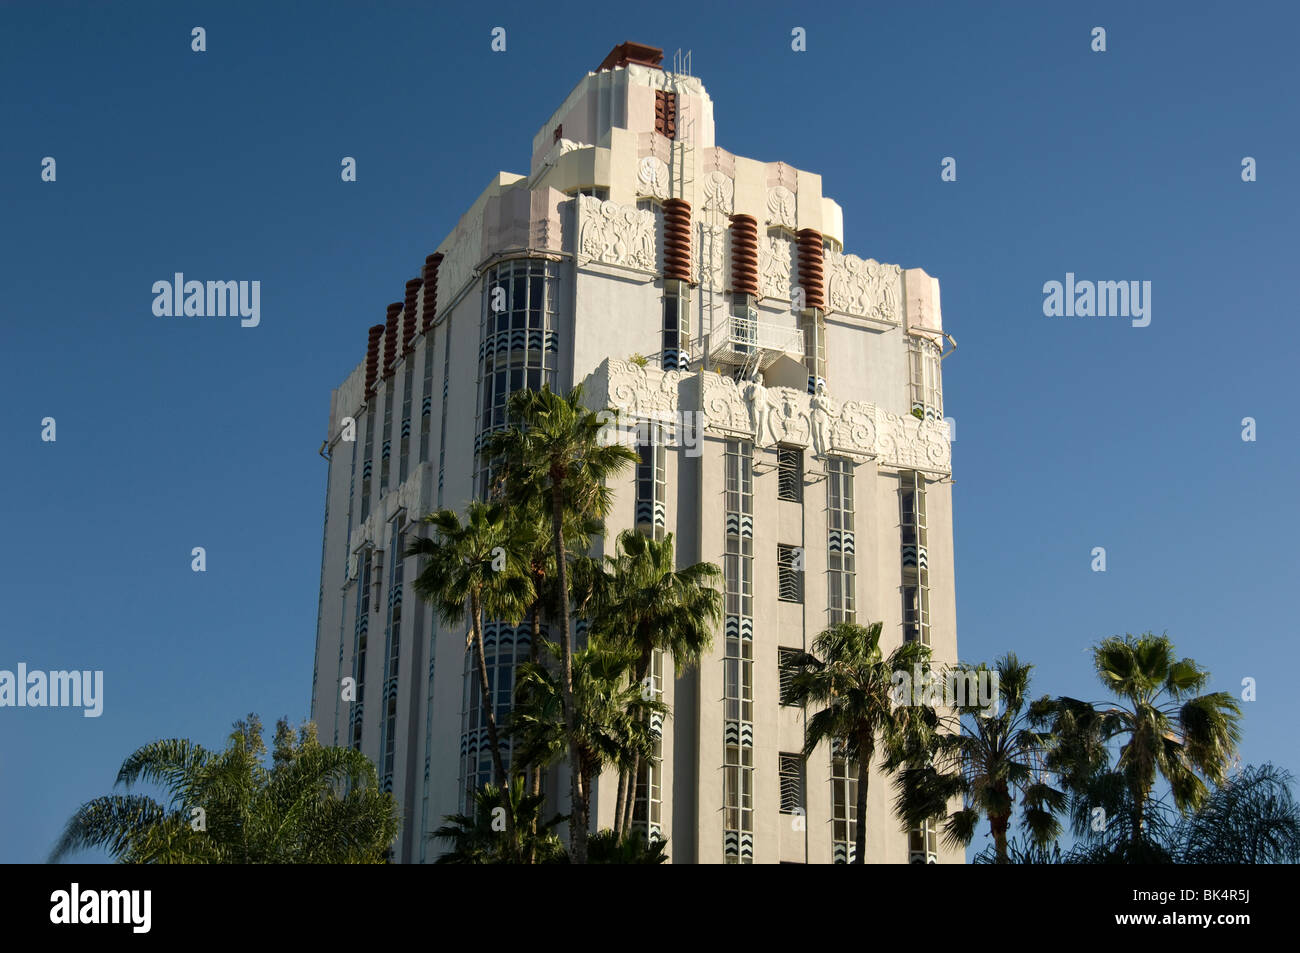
pixel 760 407
pixel 821 421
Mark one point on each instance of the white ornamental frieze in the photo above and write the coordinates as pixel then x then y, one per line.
pixel 644 392
pixel 781 206
pixel 616 234
pixel 863 287
pixel 652 177
pixel 774 266
pixel 719 193
pixel 772 415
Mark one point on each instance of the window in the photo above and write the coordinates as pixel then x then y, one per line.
pixel 789 571
pixel 923 844
pixel 677 326
pixel 395 588
pixel 519 346
pixel 386 451
pixel 404 453
pixel 841 559
pixel 785 665
pixel 789 464
pixel 926 380
pixel 738 801
pixel 591 191
pixel 914 533
pixel 559 133
pixel 367 464
pixel 652 486
pixel 844 805
pixel 666 114
pixel 360 638
pixel 814 348
pixel 426 399
pixel 791 784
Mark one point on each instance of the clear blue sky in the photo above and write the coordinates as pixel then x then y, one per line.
pixel 1072 432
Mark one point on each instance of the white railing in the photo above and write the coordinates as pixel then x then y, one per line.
pixel 745 335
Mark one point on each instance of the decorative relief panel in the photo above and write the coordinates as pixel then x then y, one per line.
pixel 781 207
pixel 652 177
pixel 616 234
pixel 719 193
pixel 774 267
pixel 863 287
pixel 409 495
pixel 771 415
pixel 712 240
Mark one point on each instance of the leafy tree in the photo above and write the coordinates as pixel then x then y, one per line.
pixel 642 601
pixel 610 715
pixel 988 759
pixel 1165 726
pixel 472 568
pixel 557 451
pixel 607 847
pixel 481 838
pixel 852 681
pixel 226 807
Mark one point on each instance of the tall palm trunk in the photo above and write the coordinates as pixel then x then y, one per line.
pixel 628 809
pixel 999 823
pixel 620 817
pixel 489 711
pixel 865 754
pixel 577 798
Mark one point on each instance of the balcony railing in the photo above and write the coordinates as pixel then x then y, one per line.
pixel 741 338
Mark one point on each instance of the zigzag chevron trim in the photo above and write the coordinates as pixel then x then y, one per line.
pixel 739 626
pixel 841 541
pixel 740 524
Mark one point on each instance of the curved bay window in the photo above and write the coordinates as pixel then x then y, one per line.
pixel 518 343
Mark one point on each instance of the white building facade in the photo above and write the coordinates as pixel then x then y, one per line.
pixel 799 442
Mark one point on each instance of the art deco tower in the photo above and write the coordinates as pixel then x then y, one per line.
pixel 803 449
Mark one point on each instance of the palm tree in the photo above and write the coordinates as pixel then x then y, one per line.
pixel 557 450
pixel 477 838
pixel 608 847
pixel 642 601
pixel 1252 819
pixel 474 566
pixel 1167 728
pixel 226 807
pixel 988 759
pixel 849 675
pixel 610 715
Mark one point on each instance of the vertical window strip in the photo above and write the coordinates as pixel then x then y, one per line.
pixel 367 465
pixel 926 378
pixel 426 400
pixel 844 806
pixel 404 437
pixel 518 344
pixel 676 352
pixel 738 659
pixel 841 559
pixel 359 645
pixel 386 450
pixel 914 531
pixel 652 485
pixel 388 738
